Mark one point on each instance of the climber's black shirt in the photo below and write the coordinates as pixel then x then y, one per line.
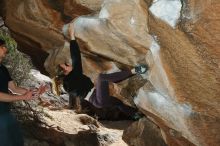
pixel 76 81
pixel 4 79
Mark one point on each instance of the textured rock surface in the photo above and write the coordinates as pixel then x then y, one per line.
pixel 71 129
pixel 182 94
pixel 144 133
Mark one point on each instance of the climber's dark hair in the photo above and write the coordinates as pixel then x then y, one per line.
pixel 2 42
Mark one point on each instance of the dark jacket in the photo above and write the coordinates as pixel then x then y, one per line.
pixel 4 79
pixel 76 81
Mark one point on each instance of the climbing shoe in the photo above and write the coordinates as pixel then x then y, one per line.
pixel 137 116
pixel 141 69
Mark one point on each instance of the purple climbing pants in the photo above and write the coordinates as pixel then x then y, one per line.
pixel 100 98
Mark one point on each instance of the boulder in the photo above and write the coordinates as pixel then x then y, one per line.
pixel 178 39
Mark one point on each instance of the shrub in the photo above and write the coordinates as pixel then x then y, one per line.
pixel 18 63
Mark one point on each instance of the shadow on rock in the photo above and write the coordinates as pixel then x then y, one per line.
pixel 54 137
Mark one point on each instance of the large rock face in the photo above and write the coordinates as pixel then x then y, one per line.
pixel 178 39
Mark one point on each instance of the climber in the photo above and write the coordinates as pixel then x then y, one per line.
pixel 10 133
pixel 74 81
pixel 78 84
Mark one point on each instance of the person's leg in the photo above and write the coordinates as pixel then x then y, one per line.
pixel 10 134
pixel 16 133
pixel 102 86
pixel 116 76
pixel 130 113
pixel 101 96
pixel 102 93
pixel 75 101
pixel 77 105
pixel 4 134
pixel 127 110
pixel 71 98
